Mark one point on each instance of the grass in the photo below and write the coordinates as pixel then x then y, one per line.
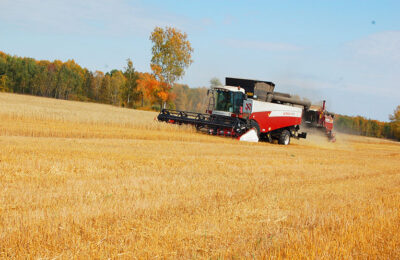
pixel 82 180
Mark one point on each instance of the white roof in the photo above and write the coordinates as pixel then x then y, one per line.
pixel 230 88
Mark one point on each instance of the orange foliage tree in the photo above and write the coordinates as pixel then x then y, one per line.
pixel 172 54
pixel 153 90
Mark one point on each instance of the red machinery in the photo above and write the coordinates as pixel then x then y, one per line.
pixel 246 109
pixel 318 117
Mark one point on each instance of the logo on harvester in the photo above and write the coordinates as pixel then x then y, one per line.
pixel 248 106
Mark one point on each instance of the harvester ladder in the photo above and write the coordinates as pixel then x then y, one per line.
pixel 211 103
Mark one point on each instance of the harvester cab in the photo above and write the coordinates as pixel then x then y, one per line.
pixel 226 101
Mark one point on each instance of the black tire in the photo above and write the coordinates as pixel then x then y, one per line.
pixel 284 138
pixel 254 124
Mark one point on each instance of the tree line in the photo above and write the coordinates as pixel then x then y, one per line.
pixel 367 127
pixel 68 80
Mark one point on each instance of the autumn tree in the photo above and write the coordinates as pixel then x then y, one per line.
pixel 96 84
pixel 105 89
pixel 148 86
pixel 3 69
pixel 3 83
pixel 172 53
pixel 395 120
pixel 129 93
pixel 118 82
pixel 86 85
pixel 155 91
pixel 396 115
pixel 39 84
pixel 182 99
pixel 215 82
pixel 190 99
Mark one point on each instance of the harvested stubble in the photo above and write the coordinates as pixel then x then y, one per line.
pixel 82 180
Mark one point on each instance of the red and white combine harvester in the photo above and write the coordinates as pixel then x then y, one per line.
pixel 248 110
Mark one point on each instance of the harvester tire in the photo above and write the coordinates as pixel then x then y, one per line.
pixel 254 124
pixel 284 138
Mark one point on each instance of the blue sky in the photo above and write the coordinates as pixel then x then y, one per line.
pixel 347 52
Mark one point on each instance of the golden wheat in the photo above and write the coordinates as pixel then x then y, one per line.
pixel 81 180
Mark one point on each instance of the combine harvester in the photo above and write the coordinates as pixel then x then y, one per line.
pixel 248 110
pixel 318 117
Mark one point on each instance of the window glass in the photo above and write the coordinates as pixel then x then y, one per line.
pixel 228 101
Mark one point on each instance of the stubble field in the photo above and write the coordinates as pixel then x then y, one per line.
pixel 80 180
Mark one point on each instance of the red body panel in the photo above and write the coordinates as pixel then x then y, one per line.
pixel 268 123
pixel 328 123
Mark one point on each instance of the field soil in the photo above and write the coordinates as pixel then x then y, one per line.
pixel 85 180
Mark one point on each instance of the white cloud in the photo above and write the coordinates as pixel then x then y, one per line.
pixel 262 45
pixel 228 20
pixel 372 64
pixel 384 46
pixel 86 17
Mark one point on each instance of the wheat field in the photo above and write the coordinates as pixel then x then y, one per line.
pixel 82 180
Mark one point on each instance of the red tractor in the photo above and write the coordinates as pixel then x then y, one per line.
pixel 318 117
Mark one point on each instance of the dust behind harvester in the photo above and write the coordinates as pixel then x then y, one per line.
pixel 249 110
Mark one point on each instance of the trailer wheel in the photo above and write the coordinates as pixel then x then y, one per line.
pixel 254 124
pixel 284 138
